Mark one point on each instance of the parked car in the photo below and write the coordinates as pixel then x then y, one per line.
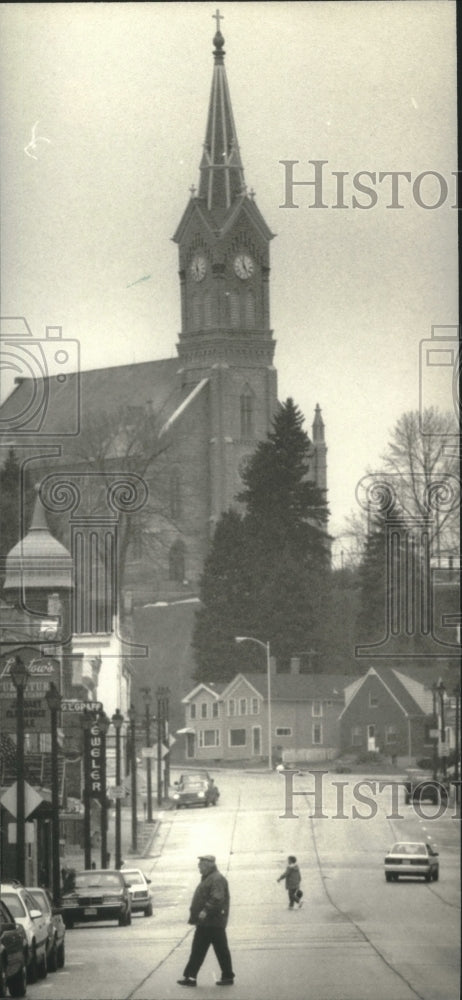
pixel 97 894
pixel 26 913
pixel 420 787
pixel 194 791
pixel 140 893
pixel 55 926
pixel 408 858
pixel 13 955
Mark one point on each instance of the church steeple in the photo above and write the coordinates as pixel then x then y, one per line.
pixel 221 171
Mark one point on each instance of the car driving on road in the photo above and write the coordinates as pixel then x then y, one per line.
pixel 411 859
pixel 140 893
pixel 194 791
pixel 97 894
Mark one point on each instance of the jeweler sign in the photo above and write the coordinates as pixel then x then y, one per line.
pixel 42 671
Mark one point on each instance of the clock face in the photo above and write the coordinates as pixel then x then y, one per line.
pixel 198 267
pixel 243 266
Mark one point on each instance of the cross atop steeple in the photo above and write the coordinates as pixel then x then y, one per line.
pixel 218 17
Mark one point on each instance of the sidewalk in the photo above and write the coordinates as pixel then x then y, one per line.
pixel 146 835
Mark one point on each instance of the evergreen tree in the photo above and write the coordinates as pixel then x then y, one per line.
pixel 267 570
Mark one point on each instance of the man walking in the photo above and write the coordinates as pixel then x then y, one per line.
pixel 209 913
pixel 292 878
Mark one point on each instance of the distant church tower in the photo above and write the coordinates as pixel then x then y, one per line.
pixel 224 271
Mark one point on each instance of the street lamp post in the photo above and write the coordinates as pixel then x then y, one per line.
pixel 103 723
pixel 132 717
pixel 162 694
pixel 442 692
pixel 457 742
pixel 146 691
pixel 117 721
pixel 266 646
pixel 53 699
pixel 19 677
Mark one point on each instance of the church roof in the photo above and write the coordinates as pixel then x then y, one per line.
pixel 152 384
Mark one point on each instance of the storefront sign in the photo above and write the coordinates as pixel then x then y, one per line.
pixel 42 671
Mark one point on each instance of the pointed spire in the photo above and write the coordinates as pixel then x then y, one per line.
pixel 221 171
pixel 318 425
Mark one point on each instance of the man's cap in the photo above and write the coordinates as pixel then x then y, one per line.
pixel 207 857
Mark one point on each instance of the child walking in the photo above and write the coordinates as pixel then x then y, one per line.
pixel 292 878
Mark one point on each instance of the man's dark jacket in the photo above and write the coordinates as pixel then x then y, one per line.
pixel 211 895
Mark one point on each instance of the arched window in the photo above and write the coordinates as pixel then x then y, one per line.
pixel 233 309
pixel 175 494
pixel 207 310
pixel 247 414
pixel 249 308
pixel 176 562
pixel 196 312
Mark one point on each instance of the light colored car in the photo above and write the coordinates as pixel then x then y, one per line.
pixel 412 859
pixel 140 893
pixel 55 924
pixel 26 913
pixel 97 894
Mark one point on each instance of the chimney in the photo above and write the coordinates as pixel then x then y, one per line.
pixel 295 664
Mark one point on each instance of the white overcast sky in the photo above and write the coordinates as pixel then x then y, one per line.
pixel 121 93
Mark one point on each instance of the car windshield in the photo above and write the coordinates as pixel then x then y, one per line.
pixel 135 878
pixel 84 880
pixel 40 899
pixel 14 903
pixel 194 783
pixel 408 849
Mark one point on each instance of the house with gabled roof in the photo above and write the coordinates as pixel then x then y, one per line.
pixel 391 711
pixel 230 722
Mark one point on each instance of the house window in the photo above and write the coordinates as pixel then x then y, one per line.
pixel 231 707
pixel 209 737
pixel 176 562
pixel 242 706
pixel 214 710
pixel 373 700
pixel 44 742
pixel 391 736
pixel 316 734
pixel 356 736
pixel 237 737
pixel 283 731
pixel 175 495
pixel 254 706
pixel 204 710
pixel 192 711
pixel 317 708
pixel 247 415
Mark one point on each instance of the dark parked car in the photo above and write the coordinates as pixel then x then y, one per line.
pixel 411 859
pixel 55 925
pixel 97 894
pixel 420 787
pixel 13 952
pixel 194 791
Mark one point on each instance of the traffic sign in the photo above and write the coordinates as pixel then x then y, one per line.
pixel 171 740
pixel 74 705
pixel 31 799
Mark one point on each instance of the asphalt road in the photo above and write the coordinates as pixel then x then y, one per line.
pixel 356 937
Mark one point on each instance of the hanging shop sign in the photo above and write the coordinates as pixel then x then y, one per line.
pixel 42 671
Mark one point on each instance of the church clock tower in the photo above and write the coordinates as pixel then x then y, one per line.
pixel 224 273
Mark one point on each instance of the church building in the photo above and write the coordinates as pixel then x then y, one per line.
pixel 199 415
